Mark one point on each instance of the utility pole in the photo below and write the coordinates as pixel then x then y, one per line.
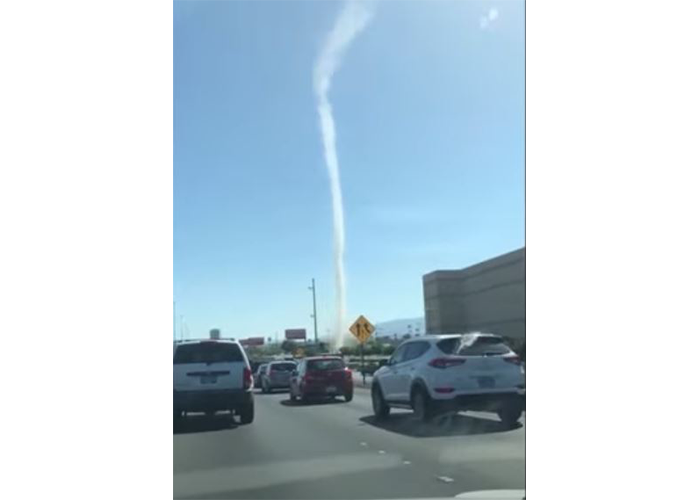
pixel 313 291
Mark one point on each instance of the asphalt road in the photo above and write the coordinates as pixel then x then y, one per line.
pixel 338 451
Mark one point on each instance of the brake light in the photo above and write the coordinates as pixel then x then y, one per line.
pixel 247 378
pixel 443 363
pixel 512 359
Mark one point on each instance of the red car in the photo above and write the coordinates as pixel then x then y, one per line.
pixel 321 377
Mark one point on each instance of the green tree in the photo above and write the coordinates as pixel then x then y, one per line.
pixel 288 346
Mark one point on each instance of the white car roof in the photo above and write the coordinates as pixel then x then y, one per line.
pixel 467 335
pixel 178 343
pixel 197 341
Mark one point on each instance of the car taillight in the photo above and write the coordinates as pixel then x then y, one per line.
pixel 247 378
pixel 443 363
pixel 348 373
pixel 512 359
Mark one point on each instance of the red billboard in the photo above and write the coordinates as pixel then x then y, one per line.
pixel 295 334
pixel 253 341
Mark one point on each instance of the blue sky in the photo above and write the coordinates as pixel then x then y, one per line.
pixel 429 110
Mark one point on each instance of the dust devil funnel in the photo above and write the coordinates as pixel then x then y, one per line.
pixel 351 21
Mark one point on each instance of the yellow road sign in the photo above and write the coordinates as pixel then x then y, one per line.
pixel 362 329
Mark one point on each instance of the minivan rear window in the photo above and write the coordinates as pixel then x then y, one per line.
pixel 318 365
pixel 480 346
pixel 283 367
pixel 207 352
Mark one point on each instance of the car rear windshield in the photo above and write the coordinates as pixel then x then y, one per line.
pixel 207 352
pixel 481 346
pixel 284 367
pixel 319 365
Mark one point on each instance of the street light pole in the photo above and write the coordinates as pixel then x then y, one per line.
pixel 313 291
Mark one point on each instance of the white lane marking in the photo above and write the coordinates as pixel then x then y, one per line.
pixel 494 494
pixel 445 479
pixel 363 443
pixel 248 477
pixel 407 462
pixel 382 452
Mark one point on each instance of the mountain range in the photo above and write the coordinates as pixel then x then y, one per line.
pixel 400 327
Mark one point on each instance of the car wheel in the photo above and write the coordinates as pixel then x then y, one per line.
pixel 420 402
pixel 247 413
pixel 348 397
pixel 304 398
pixel 510 416
pixel 381 409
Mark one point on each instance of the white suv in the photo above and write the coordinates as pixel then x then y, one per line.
pixel 444 373
pixel 212 375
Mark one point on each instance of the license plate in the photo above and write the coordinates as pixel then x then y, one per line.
pixel 208 379
pixel 486 382
pixel 331 389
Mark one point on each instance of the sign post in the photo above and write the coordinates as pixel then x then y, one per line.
pixel 362 362
pixel 362 329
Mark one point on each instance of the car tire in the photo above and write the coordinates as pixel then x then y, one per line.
pixel 421 404
pixel 510 416
pixel 348 396
pixel 247 414
pixel 381 409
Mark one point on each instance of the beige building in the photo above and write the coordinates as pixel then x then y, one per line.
pixel 487 297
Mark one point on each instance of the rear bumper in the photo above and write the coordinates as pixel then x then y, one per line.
pixel 278 384
pixel 195 401
pixel 321 390
pixel 482 402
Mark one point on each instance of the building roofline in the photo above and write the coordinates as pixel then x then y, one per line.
pixel 505 259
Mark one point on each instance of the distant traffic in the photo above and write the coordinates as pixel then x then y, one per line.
pixel 431 375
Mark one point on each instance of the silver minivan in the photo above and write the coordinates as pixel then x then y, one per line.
pixel 277 375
